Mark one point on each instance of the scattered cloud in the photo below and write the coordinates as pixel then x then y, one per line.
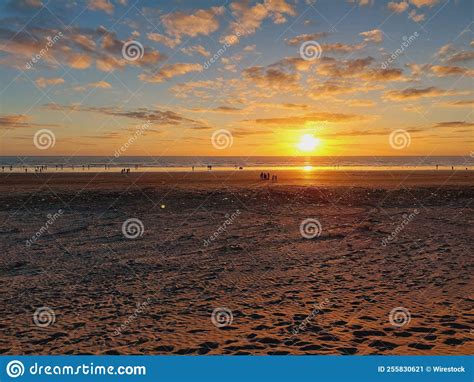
pixel 201 22
pixel 415 93
pixel 43 82
pixel 454 124
pixel 398 7
pixel 169 71
pixel 101 5
pixel 298 40
pixel 374 35
pixel 190 50
pixel 424 3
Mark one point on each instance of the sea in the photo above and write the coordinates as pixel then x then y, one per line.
pixel 230 163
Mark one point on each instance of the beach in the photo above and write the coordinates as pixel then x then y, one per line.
pixel 222 262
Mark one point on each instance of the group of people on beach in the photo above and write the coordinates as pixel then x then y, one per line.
pixel 266 176
pixel 125 171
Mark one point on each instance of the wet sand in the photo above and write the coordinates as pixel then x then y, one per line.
pixel 390 271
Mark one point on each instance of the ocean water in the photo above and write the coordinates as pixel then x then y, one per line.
pixel 181 163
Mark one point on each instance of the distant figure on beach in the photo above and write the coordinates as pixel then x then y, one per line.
pixel 128 171
pixel 436 167
pixel 261 176
pixel 452 168
pixel 26 170
pixel 193 168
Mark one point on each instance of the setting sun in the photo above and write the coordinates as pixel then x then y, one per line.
pixel 308 143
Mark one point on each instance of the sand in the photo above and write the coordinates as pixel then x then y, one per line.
pixel 389 242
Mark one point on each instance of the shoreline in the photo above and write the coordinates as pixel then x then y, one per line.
pixel 12 182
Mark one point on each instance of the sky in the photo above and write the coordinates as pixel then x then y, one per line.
pixel 245 78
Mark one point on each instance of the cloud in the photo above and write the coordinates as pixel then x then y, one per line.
pixel 311 118
pixel 415 93
pixel 21 5
pixel 190 50
pixel 219 109
pixel 298 40
pixel 101 5
pixel 343 68
pixel 462 103
pixel 201 22
pixel 454 124
pixel 169 71
pixel 361 3
pixel 398 7
pixel 424 3
pixel 20 121
pixel 445 71
pixel 79 48
pixel 463 56
pixel 94 85
pixel 163 117
pixel 271 77
pixel 341 48
pixel 165 40
pixel 248 19
pixel 43 82
pixel 374 35
pixel 416 17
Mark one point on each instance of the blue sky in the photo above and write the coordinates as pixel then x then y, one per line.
pixel 261 89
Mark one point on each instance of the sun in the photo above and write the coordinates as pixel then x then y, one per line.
pixel 308 143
